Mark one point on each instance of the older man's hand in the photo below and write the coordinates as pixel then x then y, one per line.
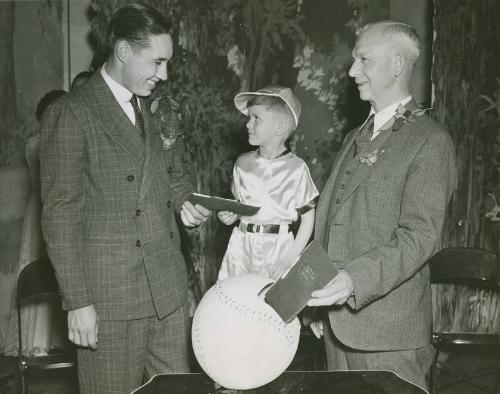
pixel 315 323
pixel 337 292
pixel 193 215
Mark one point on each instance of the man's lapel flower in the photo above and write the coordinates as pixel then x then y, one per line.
pixel 164 109
pixel 370 158
pixel 169 136
pixel 404 115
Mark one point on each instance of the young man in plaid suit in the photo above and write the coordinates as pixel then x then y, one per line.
pixel 109 193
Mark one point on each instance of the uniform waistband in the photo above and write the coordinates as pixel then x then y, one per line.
pixel 263 228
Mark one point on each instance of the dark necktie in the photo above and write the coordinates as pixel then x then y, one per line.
pixel 364 136
pixel 139 121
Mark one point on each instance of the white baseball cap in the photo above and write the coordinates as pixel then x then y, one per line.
pixel 286 94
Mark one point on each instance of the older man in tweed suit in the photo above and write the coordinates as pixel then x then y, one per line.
pixel 380 216
pixel 109 193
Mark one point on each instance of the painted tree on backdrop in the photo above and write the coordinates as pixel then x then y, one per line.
pixel 220 48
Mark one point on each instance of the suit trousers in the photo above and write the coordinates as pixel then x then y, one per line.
pixel 412 365
pixel 130 351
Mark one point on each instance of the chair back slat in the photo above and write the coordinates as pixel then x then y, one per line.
pixel 467 266
pixel 35 281
pixel 36 278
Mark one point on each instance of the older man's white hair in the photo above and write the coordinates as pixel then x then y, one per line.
pixel 405 36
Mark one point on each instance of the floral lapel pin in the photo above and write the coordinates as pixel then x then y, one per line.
pixel 370 158
pixel 164 109
pixel 404 115
pixel 169 136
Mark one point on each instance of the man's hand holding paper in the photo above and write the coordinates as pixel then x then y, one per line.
pixel 291 293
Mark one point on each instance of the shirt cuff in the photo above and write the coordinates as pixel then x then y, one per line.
pixel 310 205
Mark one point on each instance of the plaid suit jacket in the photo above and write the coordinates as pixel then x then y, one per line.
pixel 108 207
pixel 380 225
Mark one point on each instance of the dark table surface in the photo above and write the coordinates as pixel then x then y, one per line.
pixel 304 382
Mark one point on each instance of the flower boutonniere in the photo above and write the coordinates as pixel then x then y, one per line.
pixel 169 136
pixel 164 109
pixel 370 158
pixel 404 115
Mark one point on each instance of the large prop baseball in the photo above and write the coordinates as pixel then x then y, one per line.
pixel 238 339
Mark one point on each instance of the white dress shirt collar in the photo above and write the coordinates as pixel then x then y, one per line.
pixel 121 94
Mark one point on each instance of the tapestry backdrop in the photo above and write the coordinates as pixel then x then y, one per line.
pixel 467 101
pixel 228 46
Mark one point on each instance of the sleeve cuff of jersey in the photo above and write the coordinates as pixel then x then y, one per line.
pixel 308 206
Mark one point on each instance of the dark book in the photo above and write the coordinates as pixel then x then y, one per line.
pixel 312 271
pixel 223 204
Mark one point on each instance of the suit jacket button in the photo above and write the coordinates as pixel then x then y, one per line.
pixel 169 170
pixel 138 243
pixel 137 212
pixel 342 186
pixel 172 234
pixel 348 172
pixel 168 204
pixel 130 178
pixel 337 201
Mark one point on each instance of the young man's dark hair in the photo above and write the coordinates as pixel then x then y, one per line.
pixel 135 23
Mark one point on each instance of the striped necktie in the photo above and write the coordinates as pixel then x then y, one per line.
pixel 139 120
pixel 364 136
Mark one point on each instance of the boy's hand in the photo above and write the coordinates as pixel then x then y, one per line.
pixel 227 217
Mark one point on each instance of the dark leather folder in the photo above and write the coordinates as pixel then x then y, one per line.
pixel 312 271
pixel 223 204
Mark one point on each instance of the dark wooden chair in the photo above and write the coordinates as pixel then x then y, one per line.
pixel 474 268
pixel 37 280
pixel 5 377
